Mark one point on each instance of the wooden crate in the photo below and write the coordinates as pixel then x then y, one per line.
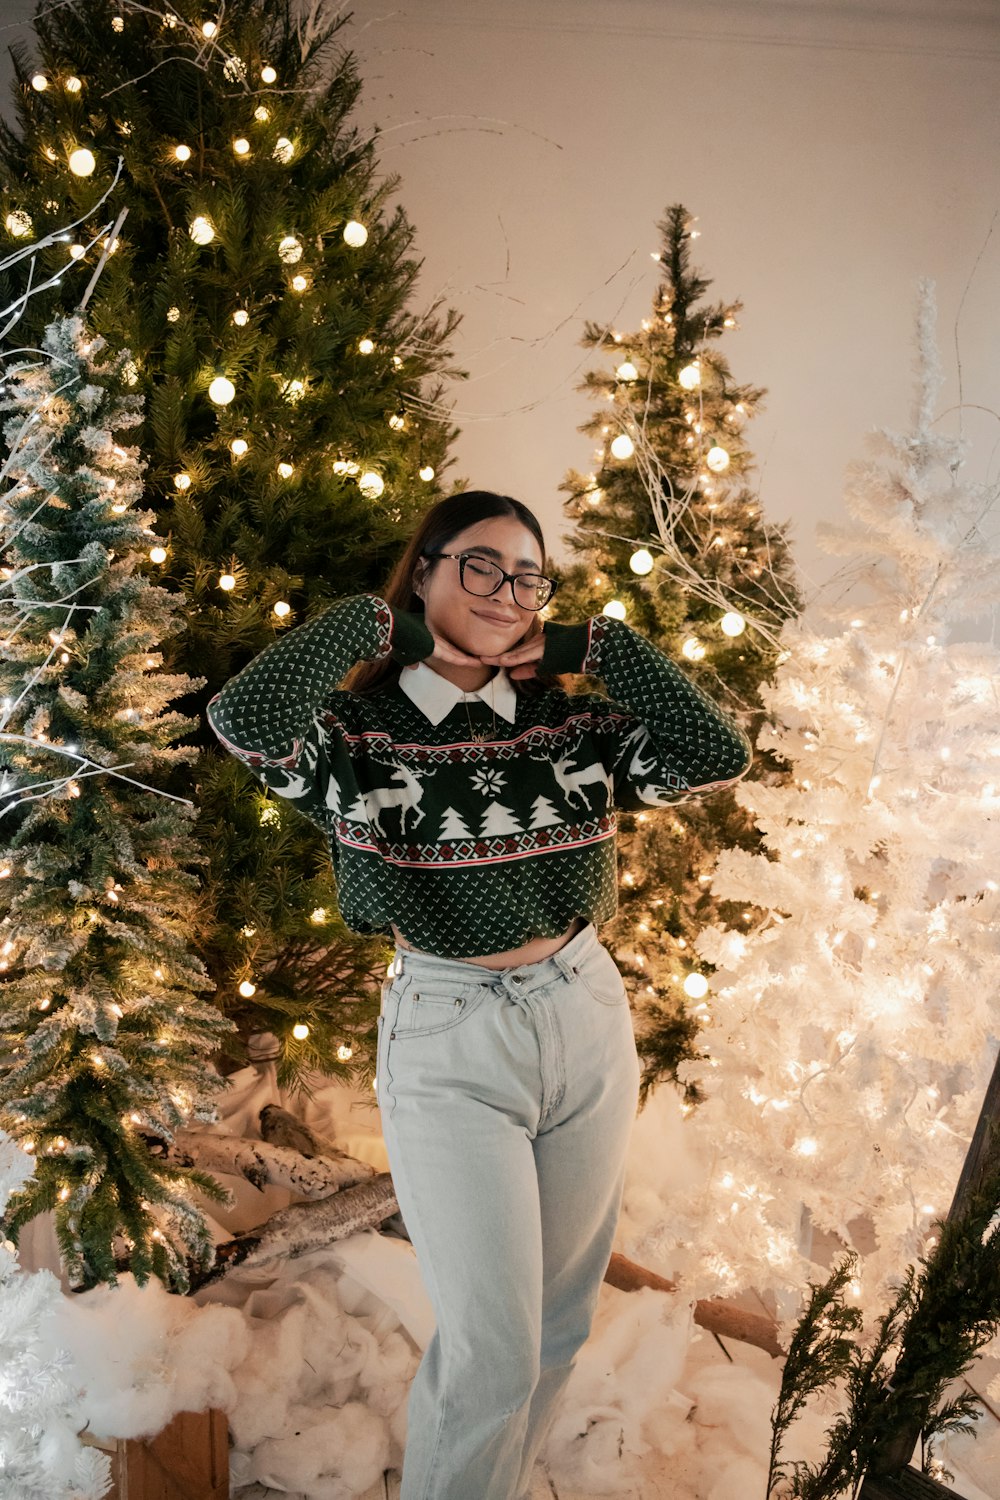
pixel 909 1485
pixel 188 1460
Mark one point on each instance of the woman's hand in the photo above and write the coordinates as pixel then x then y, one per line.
pixel 522 660
pixel 445 651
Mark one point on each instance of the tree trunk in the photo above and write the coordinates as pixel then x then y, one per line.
pixel 716 1315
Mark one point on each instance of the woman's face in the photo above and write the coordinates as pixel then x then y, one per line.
pixel 481 625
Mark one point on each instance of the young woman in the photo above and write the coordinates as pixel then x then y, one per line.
pixel 469 802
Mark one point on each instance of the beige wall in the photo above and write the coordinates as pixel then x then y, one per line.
pixel 834 153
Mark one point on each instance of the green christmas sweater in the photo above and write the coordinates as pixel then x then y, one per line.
pixel 473 848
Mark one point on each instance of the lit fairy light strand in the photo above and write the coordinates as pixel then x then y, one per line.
pixel 25 466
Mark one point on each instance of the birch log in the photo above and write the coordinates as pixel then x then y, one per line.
pixel 304 1227
pixel 261 1163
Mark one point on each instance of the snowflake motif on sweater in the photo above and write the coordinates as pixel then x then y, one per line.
pixel 489 780
pixel 473 847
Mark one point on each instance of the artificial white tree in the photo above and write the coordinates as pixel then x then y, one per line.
pixel 850 1035
pixel 41 1456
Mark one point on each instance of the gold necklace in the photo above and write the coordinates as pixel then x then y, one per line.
pixel 480 736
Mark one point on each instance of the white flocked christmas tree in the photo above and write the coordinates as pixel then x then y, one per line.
pixel 851 1035
pixel 41 1457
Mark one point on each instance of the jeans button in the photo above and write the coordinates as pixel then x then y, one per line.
pixel 515 979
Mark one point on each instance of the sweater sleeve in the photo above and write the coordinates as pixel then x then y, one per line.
pixel 674 743
pixel 268 715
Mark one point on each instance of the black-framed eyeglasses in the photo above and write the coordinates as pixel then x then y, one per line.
pixel 478 575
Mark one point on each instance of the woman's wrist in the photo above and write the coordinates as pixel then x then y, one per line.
pixel 566 647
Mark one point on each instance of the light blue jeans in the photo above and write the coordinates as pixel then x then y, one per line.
pixel 507 1099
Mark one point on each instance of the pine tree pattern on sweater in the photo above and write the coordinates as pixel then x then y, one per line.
pixel 473 848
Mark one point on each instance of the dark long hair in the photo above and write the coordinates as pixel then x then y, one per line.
pixel 435 531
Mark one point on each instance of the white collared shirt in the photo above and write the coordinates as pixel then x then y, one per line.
pixel 436 696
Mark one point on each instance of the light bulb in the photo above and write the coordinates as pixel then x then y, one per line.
pixel 371 484
pixel 627 371
pixel 247 988
pixel 283 150
pixel 82 162
pixel 117 23
pixel 693 649
pixel 157 554
pixel 19 223
pixel 73 84
pixel 209 29
pixel 732 623
pixel 397 421
pixel 221 391
pixel 622 446
pixel 261 113
pixel 173 313
pixel 182 153
pixel 641 562
pixel 286 470
pixel 427 472
pixel 614 609
pixel 227 582
pixel 300 1031
pixel 182 481
pixel 268 74
pixel 318 914
pixel 238 447
pixel 355 234
pixel 202 230
pixel 717 459
pixel 290 249
pixel 241 145
pixel 76 251
pixel 40 82
pixel 690 377
pixel 241 317
pixel 696 985
pixel 282 609
pixel 299 283
pixel 366 346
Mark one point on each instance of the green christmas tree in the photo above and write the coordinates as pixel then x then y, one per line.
pixel 263 286
pixel 674 542
pixel 107 1037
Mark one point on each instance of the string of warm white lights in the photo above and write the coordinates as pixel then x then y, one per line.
pixel 15 608
pixel 674 514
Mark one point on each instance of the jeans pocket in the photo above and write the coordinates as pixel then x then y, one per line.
pixel 425 1008
pixel 598 973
